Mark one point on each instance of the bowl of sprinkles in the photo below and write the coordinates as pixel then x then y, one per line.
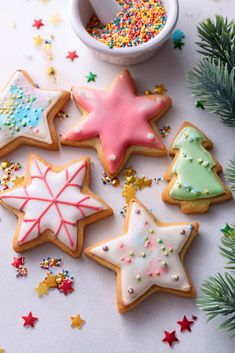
pixel 133 36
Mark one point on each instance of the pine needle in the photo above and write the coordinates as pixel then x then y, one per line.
pixel 213 84
pixel 230 174
pixel 218 299
pixel 218 40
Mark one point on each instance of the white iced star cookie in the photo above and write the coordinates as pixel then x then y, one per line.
pixel 27 114
pixel 147 258
pixel 54 204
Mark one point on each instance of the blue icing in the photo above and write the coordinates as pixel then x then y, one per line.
pixel 23 111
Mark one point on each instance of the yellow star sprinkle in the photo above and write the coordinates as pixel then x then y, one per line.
pixel 42 289
pixel 55 19
pixel 38 40
pixel 18 180
pixel 2 350
pixel 77 321
pixel 130 171
pixel 129 192
pixel 140 183
pixel 160 89
pixel 50 281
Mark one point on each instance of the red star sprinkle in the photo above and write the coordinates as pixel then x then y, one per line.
pixel 185 324
pixel 72 55
pixel 170 338
pixel 18 261
pixel 38 24
pixel 66 287
pixel 29 320
pixel 194 317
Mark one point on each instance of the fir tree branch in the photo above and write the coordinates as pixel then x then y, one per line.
pixel 230 174
pixel 218 299
pixel 213 84
pixel 228 247
pixel 218 40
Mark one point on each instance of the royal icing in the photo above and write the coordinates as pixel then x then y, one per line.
pixel 23 111
pixel 147 255
pixel 119 118
pixel 52 200
pixel 193 167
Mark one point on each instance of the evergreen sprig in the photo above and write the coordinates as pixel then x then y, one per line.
pixel 218 40
pixel 227 248
pixel 218 299
pixel 213 80
pixel 230 173
pixel 213 84
pixel 218 292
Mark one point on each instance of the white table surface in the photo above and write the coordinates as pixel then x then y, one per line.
pixel 107 331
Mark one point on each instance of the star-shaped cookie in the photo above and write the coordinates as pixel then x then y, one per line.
pixel 27 114
pixel 54 205
pixel 147 258
pixel 118 122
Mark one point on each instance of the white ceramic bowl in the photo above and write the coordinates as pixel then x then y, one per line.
pixel 80 14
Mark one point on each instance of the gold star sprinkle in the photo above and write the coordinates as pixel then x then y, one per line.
pixel 50 281
pixel 51 71
pixel 77 321
pixel 2 350
pixel 160 89
pixel 128 192
pixel 18 180
pixel 38 40
pixel 42 289
pixel 130 171
pixel 55 19
pixel 140 183
pixel 130 179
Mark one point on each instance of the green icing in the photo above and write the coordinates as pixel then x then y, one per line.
pixel 193 167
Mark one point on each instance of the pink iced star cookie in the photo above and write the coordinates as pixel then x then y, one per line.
pixel 53 205
pixel 118 122
pixel 147 257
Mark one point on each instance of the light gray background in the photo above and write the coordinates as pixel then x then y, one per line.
pixel 107 331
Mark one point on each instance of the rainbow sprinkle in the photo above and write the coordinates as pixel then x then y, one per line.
pixel 140 21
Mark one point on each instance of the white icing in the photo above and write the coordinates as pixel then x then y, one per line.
pixel 46 186
pixel 44 99
pixel 150 136
pixel 112 157
pixel 138 252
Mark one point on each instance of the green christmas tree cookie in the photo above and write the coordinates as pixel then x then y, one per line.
pixel 193 174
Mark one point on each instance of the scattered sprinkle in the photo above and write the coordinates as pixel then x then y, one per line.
pixel 72 55
pixel 91 77
pixel 77 321
pixel 29 320
pixel 165 130
pixel 38 24
pixel 177 38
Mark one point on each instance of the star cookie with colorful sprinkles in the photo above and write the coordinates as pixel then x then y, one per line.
pixel 147 258
pixel 27 114
pixel 118 123
pixel 54 204
pixel 193 181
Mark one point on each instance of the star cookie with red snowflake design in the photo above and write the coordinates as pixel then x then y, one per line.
pixel 54 205
pixel 118 123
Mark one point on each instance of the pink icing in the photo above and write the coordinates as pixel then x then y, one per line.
pixel 119 118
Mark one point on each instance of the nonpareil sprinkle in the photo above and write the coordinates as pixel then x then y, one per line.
pixel 137 23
